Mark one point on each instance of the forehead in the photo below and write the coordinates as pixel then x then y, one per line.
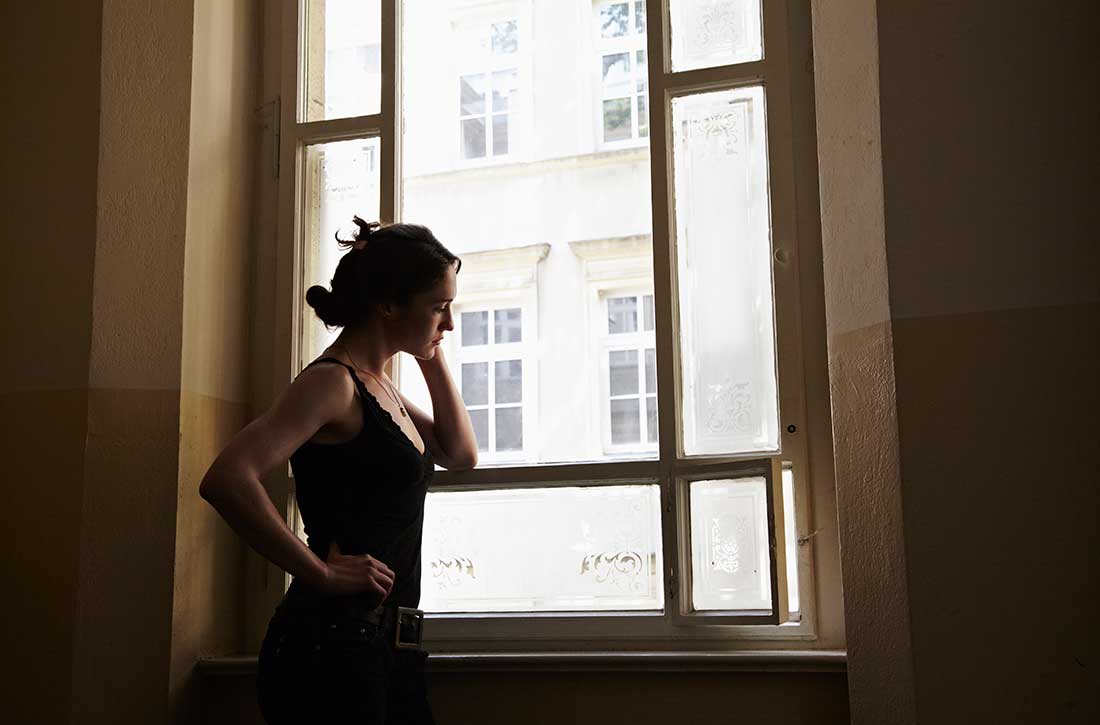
pixel 445 289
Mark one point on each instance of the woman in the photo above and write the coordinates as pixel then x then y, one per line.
pixel 343 643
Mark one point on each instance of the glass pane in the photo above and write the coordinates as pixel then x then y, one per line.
pixel 501 221
pixel 472 94
pixel 500 134
pixel 480 420
pixel 508 381
pixel 707 33
pixel 622 314
pixel 613 19
pixel 643 117
pixel 340 180
pixel 647 312
pixel 616 119
pixel 475 383
pixel 475 328
pixel 639 17
pixel 343 58
pixel 616 74
pixel 624 372
pixel 505 37
pixel 542 550
pixel 509 429
pixel 723 248
pixel 651 418
pixel 505 84
pixel 730 569
pixel 473 138
pixel 508 325
pixel 625 425
pixel 650 370
pixel 790 533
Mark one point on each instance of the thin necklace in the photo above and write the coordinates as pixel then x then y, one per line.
pixel 396 399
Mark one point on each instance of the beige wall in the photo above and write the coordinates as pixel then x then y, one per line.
pixel 994 285
pixel 963 343
pixel 207 602
pixel 50 124
pixel 125 307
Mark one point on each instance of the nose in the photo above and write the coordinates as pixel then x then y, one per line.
pixel 448 322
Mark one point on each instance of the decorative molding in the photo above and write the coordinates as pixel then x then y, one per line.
pixel 615 258
pixel 513 268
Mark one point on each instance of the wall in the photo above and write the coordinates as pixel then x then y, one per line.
pixel 962 296
pixel 989 172
pixel 126 342
pixel 48 222
pixel 207 602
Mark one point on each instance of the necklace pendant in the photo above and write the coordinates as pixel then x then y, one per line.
pixel 404 414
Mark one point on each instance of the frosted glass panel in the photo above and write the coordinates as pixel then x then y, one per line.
pixel 790 533
pixel 707 33
pixel 723 247
pixel 343 58
pixel 730 569
pixel 341 180
pixel 543 549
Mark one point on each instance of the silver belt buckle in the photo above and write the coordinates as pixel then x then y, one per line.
pixel 409 632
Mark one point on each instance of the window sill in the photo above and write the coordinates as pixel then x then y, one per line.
pixel 749 661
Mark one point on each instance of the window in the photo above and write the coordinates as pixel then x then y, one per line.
pixel 629 332
pixel 630 374
pixel 488 86
pixel 491 376
pixel 621 29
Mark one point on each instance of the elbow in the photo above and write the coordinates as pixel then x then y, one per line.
pixel 464 462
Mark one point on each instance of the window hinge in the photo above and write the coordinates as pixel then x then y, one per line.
pixel 671 583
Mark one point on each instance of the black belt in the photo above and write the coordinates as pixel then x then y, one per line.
pixel 403 627
pixel 405 623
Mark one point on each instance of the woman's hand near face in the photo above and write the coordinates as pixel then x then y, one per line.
pixel 356 574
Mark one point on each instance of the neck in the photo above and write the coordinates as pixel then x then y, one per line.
pixel 366 347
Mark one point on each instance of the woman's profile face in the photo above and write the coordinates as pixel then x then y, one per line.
pixel 419 326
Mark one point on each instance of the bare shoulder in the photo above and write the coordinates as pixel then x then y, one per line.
pixel 325 387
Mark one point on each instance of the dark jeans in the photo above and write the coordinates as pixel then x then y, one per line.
pixel 320 667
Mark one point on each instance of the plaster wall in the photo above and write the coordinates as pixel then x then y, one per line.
pixel 48 228
pixel 207 606
pixel 989 158
pixel 861 368
pixel 127 543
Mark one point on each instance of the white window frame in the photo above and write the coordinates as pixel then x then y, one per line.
pixel 470 15
pixel 677 628
pixel 638 341
pixel 494 352
pixel 629 44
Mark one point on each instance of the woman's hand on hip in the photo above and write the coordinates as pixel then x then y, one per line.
pixel 356 574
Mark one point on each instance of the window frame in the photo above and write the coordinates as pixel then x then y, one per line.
pixel 676 627
pixel 640 340
pixel 494 352
pixel 485 14
pixel 607 46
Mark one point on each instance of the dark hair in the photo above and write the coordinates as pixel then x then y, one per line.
pixel 384 264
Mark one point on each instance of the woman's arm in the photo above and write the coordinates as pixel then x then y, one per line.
pixel 448 432
pixel 233 484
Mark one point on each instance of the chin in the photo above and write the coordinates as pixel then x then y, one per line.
pixel 426 353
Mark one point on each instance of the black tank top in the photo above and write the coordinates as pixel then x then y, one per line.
pixel 367 495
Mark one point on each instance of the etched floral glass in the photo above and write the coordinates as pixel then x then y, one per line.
pixel 342 72
pixel 708 33
pixel 543 550
pixel 730 569
pixel 340 180
pixel 723 248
